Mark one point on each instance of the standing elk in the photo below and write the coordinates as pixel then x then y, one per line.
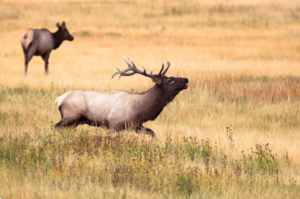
pixel 119 110
pixel 42 42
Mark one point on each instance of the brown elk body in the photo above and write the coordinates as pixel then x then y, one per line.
pixel 41 42
pixel 119 110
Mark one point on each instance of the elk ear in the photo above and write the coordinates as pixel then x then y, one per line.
pixel 57 25
pixel 63 25
pixel 157 80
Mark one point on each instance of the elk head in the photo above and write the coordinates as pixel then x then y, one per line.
pixel 171 86
pixel 64 31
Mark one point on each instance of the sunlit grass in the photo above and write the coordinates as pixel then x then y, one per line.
pixel 192 168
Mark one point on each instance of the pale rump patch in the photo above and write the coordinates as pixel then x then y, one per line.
pixel 59 100
pixel 26 38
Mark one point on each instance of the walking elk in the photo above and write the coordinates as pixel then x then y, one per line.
pixel 118 110
pixel 42 42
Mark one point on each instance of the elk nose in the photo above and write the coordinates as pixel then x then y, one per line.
pixel 186 80
pixel 71 38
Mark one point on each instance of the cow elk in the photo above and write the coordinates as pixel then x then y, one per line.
pixel 119 110
pixel 41 42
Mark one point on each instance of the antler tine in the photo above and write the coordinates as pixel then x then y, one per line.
pixel 131 62
pixel 113 75
pixel 129 66
pixel 145 73
pixel 168 65
pixel 116 72
pixel 150 71
pixel 162 68
pixel 122 73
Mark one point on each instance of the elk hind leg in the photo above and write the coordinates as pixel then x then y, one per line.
pixel 25 58
pixel 29 54
pixel 67 120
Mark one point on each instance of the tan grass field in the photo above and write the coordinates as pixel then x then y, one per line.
pixel 241 58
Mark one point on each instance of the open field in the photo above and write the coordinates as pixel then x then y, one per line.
pixel 234 133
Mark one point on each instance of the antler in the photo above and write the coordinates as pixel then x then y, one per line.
pixel 134 70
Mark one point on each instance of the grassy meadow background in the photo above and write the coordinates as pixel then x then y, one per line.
pixel 234 133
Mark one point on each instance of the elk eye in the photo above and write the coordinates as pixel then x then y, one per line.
pixel 171 81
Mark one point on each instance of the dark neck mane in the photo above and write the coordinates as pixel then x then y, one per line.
pixel 58 38
pixel 151 104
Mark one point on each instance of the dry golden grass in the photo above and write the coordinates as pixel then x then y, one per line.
pixel 241 57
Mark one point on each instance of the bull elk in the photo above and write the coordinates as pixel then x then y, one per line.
pixel 42 42
pixel 119 110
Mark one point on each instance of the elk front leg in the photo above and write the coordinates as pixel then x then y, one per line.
pixel 142 129
pixel 46 58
